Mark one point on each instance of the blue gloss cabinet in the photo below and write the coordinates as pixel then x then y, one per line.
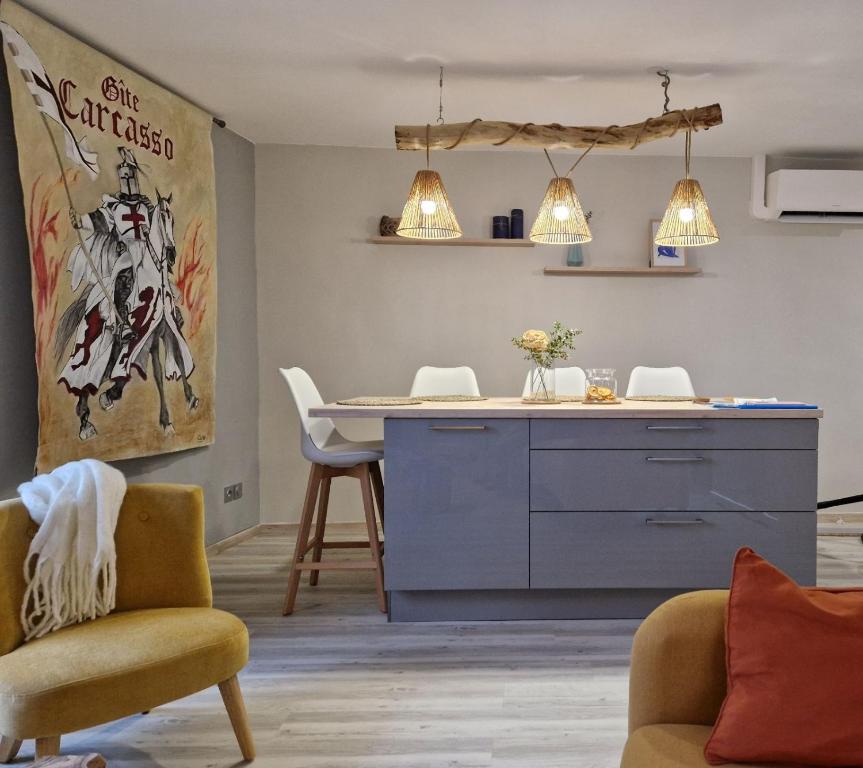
pixel 457 499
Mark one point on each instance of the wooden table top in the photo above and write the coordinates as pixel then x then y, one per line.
pixel 514 408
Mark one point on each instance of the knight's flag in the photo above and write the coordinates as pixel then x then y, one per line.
pixel 42 90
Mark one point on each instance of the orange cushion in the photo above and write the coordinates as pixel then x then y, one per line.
pixel 794 659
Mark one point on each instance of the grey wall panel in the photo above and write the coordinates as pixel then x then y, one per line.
pixel 664 479
pixel 457 504
pixel 691 550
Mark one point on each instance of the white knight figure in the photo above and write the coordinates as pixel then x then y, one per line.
pixel 131 243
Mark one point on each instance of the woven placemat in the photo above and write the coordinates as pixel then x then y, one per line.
pixel 570 398
pixel 380 401
pixel 451 398
pixel 662 398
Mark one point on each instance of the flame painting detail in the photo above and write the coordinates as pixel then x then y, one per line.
pixel 47 224
pixel 193 274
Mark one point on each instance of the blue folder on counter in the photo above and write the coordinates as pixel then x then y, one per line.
pixel 766 406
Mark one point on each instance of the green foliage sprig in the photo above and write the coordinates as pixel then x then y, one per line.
pixel 544 348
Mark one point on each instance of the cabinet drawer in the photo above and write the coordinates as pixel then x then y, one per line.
pixel 662 549
pixel 457 513
pixel 674 433
pixel 684 479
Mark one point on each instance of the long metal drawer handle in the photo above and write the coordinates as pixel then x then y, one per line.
pixel 475 428
pixel 675 428
pixel 696 521
pixel 674 459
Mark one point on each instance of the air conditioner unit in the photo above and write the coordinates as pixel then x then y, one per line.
pixel 807 196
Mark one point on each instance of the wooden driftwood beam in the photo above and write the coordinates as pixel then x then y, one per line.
pixel 554 136
pixel 71 761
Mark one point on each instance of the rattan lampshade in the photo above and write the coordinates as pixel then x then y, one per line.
pixel 687 219
pixel 427 212
pixel 561 219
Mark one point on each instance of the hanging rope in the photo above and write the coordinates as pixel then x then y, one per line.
pixel 548 157
pixel 688 150
pixel 515 133
pixel 465 132
pixel 595 142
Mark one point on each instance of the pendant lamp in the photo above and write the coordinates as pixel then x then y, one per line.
pixel 427 213
pixel 561 220
pixel 687 220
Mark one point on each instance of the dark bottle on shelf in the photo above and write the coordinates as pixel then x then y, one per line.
pixel 516 224
pixel 500 227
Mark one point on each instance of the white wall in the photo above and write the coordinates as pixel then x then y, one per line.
pixel 778 310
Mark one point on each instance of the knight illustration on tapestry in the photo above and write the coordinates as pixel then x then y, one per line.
pixel 126 318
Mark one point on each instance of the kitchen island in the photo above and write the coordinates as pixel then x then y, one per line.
pixel 497 509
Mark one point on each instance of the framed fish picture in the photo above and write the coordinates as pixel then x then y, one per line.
pixel 665 255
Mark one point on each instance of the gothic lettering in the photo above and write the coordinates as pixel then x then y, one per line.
pixel 131 132
pixel 65 88
pixel 95 114
pixel 145 136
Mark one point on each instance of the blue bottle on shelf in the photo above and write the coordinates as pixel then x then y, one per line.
pixel 500 227
pixel 516 224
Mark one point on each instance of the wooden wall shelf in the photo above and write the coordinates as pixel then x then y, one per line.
pixel 470 241
pixel 623 271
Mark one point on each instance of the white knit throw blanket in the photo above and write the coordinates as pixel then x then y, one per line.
pixel 74 576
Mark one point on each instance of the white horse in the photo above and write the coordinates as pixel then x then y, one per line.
pixel 153 318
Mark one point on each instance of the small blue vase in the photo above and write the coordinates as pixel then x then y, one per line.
pixel 574 256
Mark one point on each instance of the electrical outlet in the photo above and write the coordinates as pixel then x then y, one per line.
pixel 233 492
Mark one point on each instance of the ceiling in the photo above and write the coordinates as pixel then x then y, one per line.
pixel 343 72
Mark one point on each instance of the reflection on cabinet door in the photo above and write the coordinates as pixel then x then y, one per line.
pixel 457 504
pixel 704 481
pixel 686 550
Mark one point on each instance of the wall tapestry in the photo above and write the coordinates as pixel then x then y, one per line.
pixel 119 199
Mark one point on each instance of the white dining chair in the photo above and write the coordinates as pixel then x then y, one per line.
pixel 644 381
pixel 332 455
pixel 444 381
pixel 567 381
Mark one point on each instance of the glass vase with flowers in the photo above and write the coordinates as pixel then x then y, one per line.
pixel 544 350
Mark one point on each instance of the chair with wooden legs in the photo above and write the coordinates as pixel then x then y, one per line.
pixel 163 640
pixel 331 456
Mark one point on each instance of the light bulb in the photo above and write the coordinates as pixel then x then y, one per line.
pixel 428 207
pixel 686 214
pixel 560 211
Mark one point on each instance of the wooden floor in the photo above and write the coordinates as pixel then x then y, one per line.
pixel 335 686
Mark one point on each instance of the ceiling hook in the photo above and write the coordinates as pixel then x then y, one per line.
pixel 666 81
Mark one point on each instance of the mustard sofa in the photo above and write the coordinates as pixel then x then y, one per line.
pixel 163 641
pixel 677 682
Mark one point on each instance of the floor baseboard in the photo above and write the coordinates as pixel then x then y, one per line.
pixel 283 528
pixel 232 540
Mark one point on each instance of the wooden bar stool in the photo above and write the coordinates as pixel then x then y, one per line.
pixel 333 456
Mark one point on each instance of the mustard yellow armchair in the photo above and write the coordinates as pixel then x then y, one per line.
pixel 677 682
pixel 163 641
